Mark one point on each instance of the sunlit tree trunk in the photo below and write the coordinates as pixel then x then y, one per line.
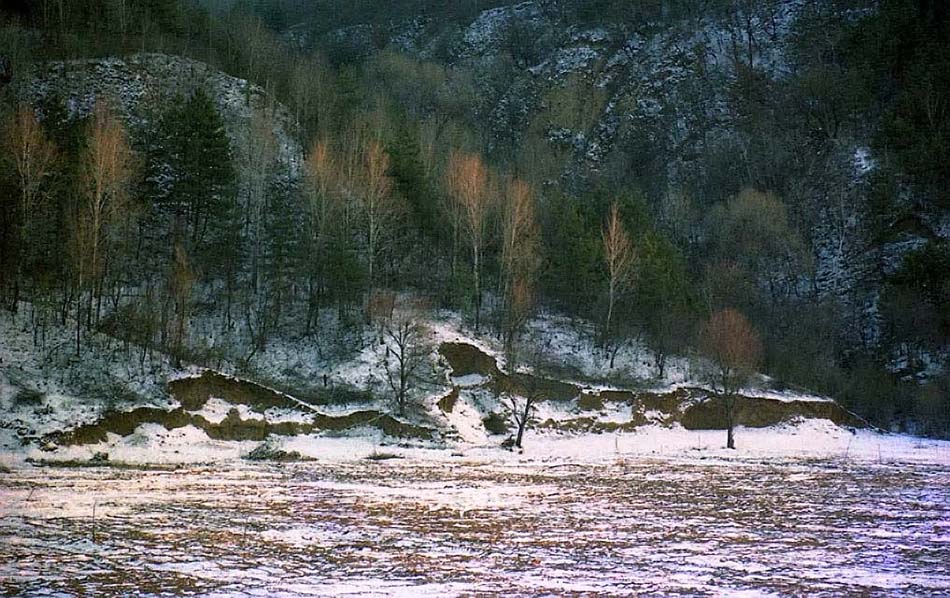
pixel 467 181
pixel 33 156
pixel 619 258
pixel 108 167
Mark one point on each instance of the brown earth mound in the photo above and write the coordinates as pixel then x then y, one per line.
pixel 233 427
pixel 590 425
pixel 691 408
pixel 447 403
pixel 528 385
pixel 756 412
pixel 193 393
pixel 688 406
pixel 670 402
pixel 465 359
pixel 590 402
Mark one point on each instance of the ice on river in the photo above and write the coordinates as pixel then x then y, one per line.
pixel 412 528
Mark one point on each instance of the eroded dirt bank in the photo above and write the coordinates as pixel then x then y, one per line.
pixel 692 407
pixel 193 393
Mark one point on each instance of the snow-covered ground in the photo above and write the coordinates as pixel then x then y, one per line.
pixel 795 441
pixel 572 343
pixel 462 525
pixel 804 507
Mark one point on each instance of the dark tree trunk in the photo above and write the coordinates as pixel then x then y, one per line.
pixel 659 361
pixel 613 353
pixel 520 435
pixel 730 401
pixel 79 323
pixel 523 421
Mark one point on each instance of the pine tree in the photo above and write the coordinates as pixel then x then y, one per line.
pixel 573 271
pixel 190 175
pixel 662 298
pixel 409 174
pixel 284 248
pixel 207 185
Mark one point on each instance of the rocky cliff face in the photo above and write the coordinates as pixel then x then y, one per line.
pixel 653 101
pixel 602 102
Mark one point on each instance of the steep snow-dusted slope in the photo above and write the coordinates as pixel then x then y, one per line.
pixel 139 85
pixel 589 99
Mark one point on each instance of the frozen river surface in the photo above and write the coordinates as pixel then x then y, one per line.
pixel 663 527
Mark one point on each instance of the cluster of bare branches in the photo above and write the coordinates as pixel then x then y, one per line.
pixel 407 352
pixel 470 203
pixel 520 259
pixel 33 156
pixel 620 259
pixel 103 211
pixel 734 346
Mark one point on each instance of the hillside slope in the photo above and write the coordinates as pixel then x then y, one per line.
pixel 695 103
pixel 139 86
pixel 91 412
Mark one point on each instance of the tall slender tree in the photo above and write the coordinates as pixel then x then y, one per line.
pixel 467 180
pixel 320 180
pixel 734 346
pixel 379 205
pixel 107 171
pixel 519 258
pixel 620 260
pixel 33 155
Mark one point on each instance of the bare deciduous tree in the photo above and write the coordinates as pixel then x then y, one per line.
pixel 259 160
pixel 33 156
pixel 520 412
pixel 520 255
pixel 519 228
pixel 379 204
pixel 108 168
pixel 321 175
pixel 406 354
pixel 519 309
pixel 321 180
pixel 311 90
pixel 520 401
pixel 467 180
pixel 620 259
pixel 380 307
pixel 520 407
pixel 753 230
pixel 735 348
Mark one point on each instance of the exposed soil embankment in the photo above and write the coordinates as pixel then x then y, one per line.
pixel 693 408
pixel 466 359
pixel 193 394
pixel 645 408
pixel 447 403
pixel 757 412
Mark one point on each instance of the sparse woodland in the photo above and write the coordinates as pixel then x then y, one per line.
pixel 136 228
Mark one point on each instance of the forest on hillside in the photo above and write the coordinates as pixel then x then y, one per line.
pixel 137 226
